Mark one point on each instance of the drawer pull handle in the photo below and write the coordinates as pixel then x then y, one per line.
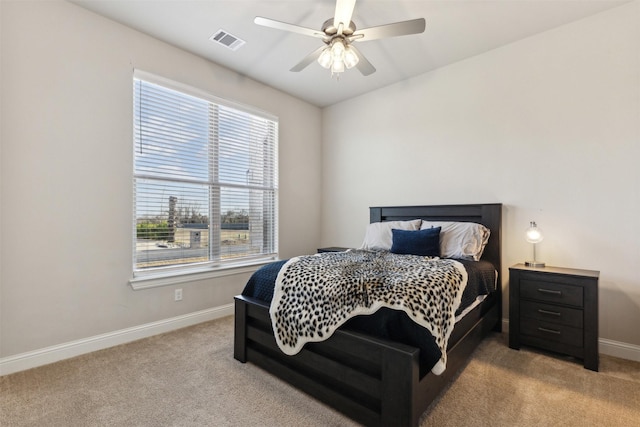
pixel 549 291
pixel 551 331
pixel 553 313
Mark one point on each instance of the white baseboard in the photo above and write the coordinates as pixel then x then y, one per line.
pixel 44 356
pixel 33 359
pixel 605 346
pixel 619 349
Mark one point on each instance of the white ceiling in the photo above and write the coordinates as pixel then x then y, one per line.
pixel 456 29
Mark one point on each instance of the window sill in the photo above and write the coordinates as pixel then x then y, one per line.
pixel 151 280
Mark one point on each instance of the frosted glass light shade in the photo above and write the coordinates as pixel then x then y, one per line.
pixel 534 234
pixel 337 66
pixel 325 58
pixel 337 50
pixel 350 57
pixel 338 56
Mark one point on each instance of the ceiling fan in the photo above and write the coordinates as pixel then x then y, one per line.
pixel 338 33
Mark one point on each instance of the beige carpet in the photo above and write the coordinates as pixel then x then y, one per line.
pixel 189 378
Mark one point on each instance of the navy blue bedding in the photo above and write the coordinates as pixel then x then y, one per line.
pixel 388 323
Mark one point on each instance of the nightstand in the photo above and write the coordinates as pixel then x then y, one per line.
pixel 555 309
pixel 332 249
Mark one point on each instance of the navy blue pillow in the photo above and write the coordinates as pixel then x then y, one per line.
pixel 419 242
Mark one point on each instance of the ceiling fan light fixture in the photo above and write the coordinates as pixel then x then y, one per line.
pixel 325 58
pixel 350 58
pixel 337 50
pixel 338 56
pixel 337 67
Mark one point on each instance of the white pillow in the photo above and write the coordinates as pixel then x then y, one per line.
pixel 465 240
pixel 379 237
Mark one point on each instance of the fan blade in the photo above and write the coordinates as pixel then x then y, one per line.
pixel 344 10
pixel 308 59
pixel 266 22
pixel 403 28
pixel 363 65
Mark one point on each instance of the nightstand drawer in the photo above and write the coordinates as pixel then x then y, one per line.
pixel 551 292
pixel 551 313
pixel 552 332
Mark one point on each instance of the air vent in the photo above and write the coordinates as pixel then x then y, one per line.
pixel 227 40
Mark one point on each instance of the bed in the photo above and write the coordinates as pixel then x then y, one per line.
pixel 373 380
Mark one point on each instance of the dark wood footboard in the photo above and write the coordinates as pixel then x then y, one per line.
pixel 374 381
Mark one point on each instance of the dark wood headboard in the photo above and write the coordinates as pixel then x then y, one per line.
pixel 489 215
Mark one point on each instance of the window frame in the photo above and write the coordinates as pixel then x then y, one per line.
pixel 162 276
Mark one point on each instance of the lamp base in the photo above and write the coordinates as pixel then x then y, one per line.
pixel 536 264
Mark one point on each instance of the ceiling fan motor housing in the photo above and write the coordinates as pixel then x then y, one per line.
pixel 331 30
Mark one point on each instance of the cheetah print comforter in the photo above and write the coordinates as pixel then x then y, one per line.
pixel 316 294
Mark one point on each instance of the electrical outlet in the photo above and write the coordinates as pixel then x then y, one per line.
pixel 178 294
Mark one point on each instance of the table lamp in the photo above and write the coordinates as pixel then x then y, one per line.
pixel 534 235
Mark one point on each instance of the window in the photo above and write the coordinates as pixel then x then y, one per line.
pixel 205 179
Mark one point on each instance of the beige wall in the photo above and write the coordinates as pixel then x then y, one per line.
pixel 549 126
pixel 66 175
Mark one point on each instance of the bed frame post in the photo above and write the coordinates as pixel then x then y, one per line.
pixel 240 336
pixel 400 373
pixel 492 216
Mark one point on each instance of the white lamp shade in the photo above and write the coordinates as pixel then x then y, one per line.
pixel 350 57
pixel 338 56
pixel 534 234
pixel 337 66
pixel 337 50
pixel 325 58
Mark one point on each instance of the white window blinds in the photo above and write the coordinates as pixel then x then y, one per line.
pixel 205 179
